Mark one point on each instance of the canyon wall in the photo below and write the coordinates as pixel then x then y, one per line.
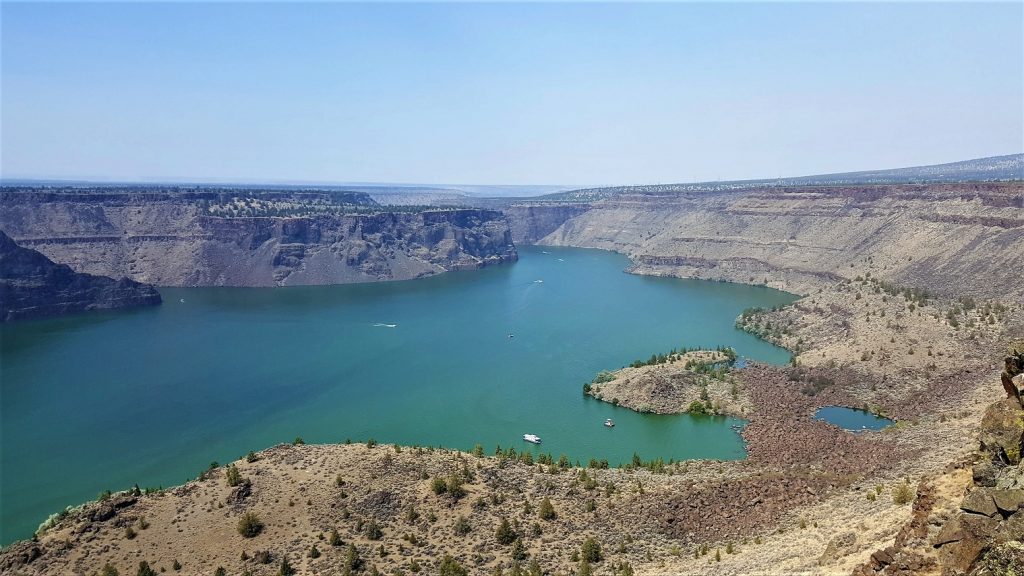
pixel 530 223
pixel 947 238
pixel 32 286
pixel 171 238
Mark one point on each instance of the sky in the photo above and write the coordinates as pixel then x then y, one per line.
pixel 503 93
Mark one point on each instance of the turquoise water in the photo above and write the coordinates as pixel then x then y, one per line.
pixel 106 400
pixel 851 419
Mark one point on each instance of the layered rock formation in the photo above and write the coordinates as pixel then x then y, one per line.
pixel 532 222
pixel 266 238
pixel 32 286
pixel 951 238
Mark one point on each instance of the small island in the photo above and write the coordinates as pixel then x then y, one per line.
pixel 694 381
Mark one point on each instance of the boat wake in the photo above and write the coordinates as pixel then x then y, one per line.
pixel 379 325
pixel 538 281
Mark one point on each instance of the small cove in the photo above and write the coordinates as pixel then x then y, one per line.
pixel 106 400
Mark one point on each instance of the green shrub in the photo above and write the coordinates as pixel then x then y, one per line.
pixel 373 531
pixel 591 550
pixel 505 534
pixel 462 526
pixel 518 551
pixel 145 570
pixel 450 567
pixel 109 570
pixel 454 487
pixel 250 526
pixel 352 562
pixel 697 407
pixel 902 493
pixel 547 510
pixel 233 476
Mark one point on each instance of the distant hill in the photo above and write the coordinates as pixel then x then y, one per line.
pixel 993 168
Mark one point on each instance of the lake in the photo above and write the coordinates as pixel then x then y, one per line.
pixel 106 400
pixel 851 419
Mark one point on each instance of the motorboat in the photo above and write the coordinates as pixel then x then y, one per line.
pixel 531 438
pixel 609 423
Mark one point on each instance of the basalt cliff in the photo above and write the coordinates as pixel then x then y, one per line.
pixel 953 238
pixel 32 286
pixel 212 237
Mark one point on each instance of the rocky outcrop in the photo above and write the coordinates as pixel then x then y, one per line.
pixel 950 238
pixel 214 238
pixel 1002 431
pixel 1013 369
pixel 981 536
pixel 32 286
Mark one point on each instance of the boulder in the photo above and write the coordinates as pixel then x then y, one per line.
pixel 1012 529
pixel 977 534
pixel 1002 431
pixel 838 547
pixel 1008 501
pixel 951 532
pixel 985 473
pixel 979 501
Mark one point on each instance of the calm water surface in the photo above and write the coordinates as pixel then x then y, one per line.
pixel 851 419
pixel 103 401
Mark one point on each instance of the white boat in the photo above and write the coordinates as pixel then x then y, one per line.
pixel 532 438
pixel 609 423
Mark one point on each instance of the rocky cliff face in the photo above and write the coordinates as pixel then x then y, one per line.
pixel 177 239
pixel 531 223
pixel 949 238
pixel 32 286
pixel 981 532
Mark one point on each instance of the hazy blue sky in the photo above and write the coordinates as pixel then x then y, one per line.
pixel 504 93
